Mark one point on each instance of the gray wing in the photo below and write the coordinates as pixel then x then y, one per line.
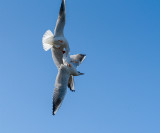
pixel 77 59
pixel 60 87
pixel 71 83
pixel 57 56
pixel 61 20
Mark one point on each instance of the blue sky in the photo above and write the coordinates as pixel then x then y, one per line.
pixel 119 92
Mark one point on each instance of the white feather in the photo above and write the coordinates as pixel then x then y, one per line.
pixel 47 39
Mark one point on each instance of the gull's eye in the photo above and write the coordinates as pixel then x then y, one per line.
pixel 60 41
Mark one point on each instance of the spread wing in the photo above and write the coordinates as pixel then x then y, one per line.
pixel 57 56
pixel 77 59
pixel 71 83
pixel 61 21
pixel 60 87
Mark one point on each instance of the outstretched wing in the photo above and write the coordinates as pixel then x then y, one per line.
pixel 58 97
pixel 57 56
pixel 60 87
pixel 77 59
pixel 71 83
pixel 61 21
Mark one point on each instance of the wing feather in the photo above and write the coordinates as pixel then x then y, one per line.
pixel 77 59
pixel 71 83
pixel 60 21
pixel 60 87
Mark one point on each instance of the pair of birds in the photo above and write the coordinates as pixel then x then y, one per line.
pixel 65 62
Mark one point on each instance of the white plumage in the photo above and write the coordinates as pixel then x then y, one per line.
pixel 64 72
pixel 65 63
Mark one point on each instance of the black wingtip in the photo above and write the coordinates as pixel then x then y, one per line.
pixel 83 54
pixel 53 111
pixel 56 104
pixel 62 9
pixel 80 73
pixel 70 88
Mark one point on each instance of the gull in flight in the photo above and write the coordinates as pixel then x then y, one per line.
pixel 57 43
pixel 65 62
pixel 66 69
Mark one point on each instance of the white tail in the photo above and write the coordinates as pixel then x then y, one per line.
pixel 47 39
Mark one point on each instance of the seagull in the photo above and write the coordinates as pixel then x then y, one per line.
pixel 57 43
pixel 76 60
pixel 65 70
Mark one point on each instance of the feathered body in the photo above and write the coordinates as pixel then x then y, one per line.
pixel 58 44
pixel 61 83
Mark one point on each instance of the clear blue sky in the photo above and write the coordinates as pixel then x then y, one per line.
pixel 120 91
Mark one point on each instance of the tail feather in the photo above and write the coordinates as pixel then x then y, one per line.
pixel 47 39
